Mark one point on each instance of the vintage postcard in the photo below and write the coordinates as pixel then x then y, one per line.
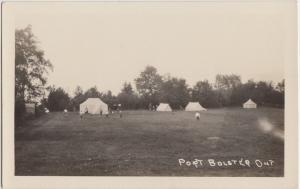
pixel 140 94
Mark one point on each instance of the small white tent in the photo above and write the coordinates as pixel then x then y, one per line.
pixel 93 106
pixel 194 106
pixel 249 104
pixel 163 107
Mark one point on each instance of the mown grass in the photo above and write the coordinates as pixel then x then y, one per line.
pixel 143 143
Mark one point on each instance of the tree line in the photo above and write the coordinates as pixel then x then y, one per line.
pixel 152 88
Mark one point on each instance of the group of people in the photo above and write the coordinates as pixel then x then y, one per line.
pixel 152 107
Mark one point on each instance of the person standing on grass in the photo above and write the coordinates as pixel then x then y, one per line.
pixel 120 110
pixel 84 112
pixel 81 115
pixel 197 115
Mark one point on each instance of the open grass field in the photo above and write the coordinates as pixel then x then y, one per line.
pixel 143 143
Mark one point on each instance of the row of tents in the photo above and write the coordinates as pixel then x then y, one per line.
pixel 192 106
pixel 195 106
pixel 97 106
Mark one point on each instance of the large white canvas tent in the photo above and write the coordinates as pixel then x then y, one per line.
pixel 93 106
pixel 194 106
pixel 249 104
pixel 163 107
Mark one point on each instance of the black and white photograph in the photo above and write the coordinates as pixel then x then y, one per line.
pixel 136 89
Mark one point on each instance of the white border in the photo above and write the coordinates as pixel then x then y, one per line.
pixel 291 163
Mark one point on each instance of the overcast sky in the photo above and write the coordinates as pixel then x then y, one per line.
pixel 106 45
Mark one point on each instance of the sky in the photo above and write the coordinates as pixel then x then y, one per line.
pixel 107 44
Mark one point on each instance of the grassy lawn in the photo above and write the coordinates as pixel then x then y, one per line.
pixel 150 144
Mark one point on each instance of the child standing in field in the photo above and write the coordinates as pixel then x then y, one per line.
pixel 120 110
pixel 81 115
pixel 197 115
pixel 83 112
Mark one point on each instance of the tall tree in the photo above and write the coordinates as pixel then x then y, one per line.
pixel 127 97
pixel 31 69
pixel 58 99
pixel 225 85
pixel 263 93
pixel 281 93
pixel 93 93
pixel 127 88
pixel 31 66
pixel 280 86
pixel 78 98
pixel 109 99
pixel 243 92
pixel 175 92
pixel 148 84
pixel 227 81
pixel 78 91
pixel 203 92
